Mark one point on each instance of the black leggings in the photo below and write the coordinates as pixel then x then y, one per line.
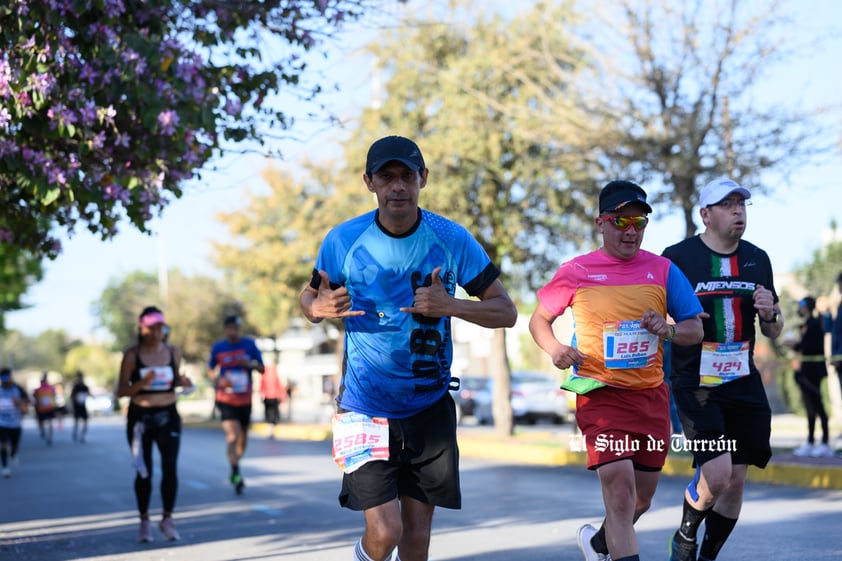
pixel 9 441
pixel 811 393
pixel 161 426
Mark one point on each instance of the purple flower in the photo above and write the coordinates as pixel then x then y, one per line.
pixel 114 8
pixel 55 175
pixel 42 83
pixel 98 141
pixel 5 78
pixel 168 120
pixel 233 106
pixel 113 192
pixel 5 118
pixel 107 114
pixel 89 74
pixel 88 113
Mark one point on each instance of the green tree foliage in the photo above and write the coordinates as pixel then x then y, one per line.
pixel 45 351
pixel 194 307
pixel 100 365
pixel 18 271
pixel 819 275
pixel 276 236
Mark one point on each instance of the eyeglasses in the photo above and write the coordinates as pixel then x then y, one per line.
pixel 731 203
pixel 626 222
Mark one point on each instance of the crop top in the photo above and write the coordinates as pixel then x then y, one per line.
pixel 165 376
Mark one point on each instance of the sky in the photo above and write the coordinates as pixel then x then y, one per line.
pixel 789 224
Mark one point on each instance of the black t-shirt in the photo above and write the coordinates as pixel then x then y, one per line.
pixel 78 394
pixel 725 285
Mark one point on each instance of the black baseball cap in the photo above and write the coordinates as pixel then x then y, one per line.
pixel 393 149
pixel 232 320
pixel 617 194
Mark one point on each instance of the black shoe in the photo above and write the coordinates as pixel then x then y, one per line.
pixel 238 483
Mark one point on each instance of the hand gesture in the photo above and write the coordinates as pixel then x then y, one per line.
pixel 655 323
pixel 764 302
pixel 147 379
pixel 333 303
pixel 431 301
pixel 564 357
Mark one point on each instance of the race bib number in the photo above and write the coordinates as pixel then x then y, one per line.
pixel 162 378
pixel 627 345
pixel 359 439
pixel 722 363
pixel 239 380
pixel 81 397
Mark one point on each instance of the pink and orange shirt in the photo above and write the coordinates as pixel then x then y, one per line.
pixel 608 297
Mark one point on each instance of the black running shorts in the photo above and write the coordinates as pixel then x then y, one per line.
pixel 235 413
pixel 717 422
pixel 423 463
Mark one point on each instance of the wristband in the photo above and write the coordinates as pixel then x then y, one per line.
pixel 672 334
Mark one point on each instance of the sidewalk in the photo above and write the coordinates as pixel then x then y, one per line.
pixel 553 447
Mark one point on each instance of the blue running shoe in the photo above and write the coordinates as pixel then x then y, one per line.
pixel 681 550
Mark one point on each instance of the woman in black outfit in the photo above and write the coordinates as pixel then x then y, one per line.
pixel 809 378
pixel 149 375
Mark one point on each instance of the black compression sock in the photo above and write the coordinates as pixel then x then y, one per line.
pixel 598 540
pixel 690 521
pixel 717 530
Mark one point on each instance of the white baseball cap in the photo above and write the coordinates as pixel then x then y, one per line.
pixel 720 188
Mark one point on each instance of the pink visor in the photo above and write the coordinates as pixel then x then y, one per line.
pixel 151 319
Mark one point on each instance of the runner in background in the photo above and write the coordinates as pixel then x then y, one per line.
pixel 231 364
pixel 45 408
pixel 78 397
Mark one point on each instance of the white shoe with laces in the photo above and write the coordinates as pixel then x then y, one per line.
pixel 804 450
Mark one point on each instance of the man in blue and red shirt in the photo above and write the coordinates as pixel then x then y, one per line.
pixel 231 363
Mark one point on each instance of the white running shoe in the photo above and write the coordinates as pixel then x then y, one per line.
pixel 167 527
pixel 583 538
pixel 7 473
pixel 144 533
pixel 804 450
pixel 821 451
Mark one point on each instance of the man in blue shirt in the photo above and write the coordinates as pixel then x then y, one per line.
pixel 391 276
pixel 232 360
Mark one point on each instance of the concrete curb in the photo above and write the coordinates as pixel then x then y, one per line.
pixel 783 469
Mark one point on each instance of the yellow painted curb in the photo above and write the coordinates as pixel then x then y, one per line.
pixel 537 451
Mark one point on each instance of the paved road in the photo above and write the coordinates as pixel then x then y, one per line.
pixel 75 502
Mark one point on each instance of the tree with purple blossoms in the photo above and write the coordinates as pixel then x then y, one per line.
pixel 108 106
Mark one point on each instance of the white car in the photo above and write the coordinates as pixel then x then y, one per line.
pixel 535 396
pixel 99 403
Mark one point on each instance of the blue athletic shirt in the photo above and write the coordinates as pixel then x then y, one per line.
pixel 397 364
pixel 227 356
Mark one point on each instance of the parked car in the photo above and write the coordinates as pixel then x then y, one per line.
pixel 535 396
pixel 100 402
pixel 473 393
